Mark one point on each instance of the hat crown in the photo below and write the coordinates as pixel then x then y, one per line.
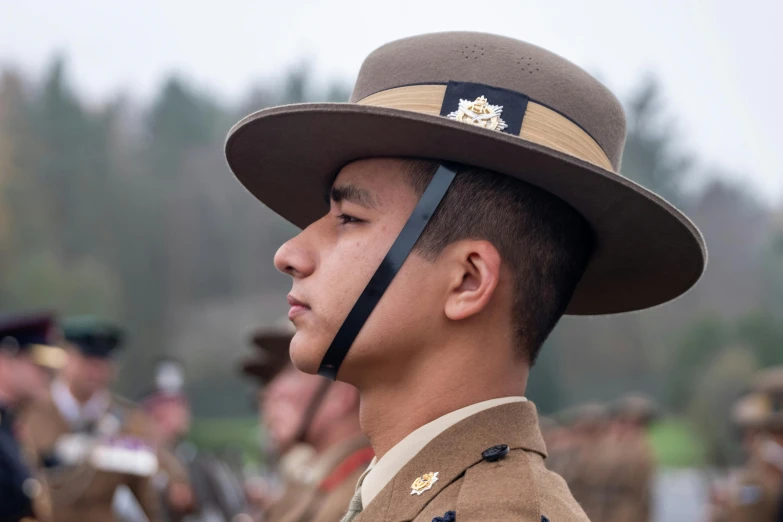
pixel 500 62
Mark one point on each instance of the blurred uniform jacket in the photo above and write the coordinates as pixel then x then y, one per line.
pixel 321 490
pixel 590 477
pixel 753 496
pixel 631 472
pixel 23 496
pixel 80 492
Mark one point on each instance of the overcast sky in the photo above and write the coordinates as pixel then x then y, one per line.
pixel 719 61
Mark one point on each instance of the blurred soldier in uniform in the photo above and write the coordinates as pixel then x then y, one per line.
pixel 298 409
pixel 630 460
pixel 91 441
pixel 587 471
pixel 286 452
pixel 169 410
pixel 27 360
pixel 756 492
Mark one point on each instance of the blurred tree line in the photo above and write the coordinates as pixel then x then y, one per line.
pixel 130 212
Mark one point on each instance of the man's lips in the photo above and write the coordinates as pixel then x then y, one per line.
pixel 297 307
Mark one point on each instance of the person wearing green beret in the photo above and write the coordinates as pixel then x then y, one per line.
pixel 91 441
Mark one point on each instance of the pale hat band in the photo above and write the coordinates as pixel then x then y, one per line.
pixel 52 357
pixel 540 124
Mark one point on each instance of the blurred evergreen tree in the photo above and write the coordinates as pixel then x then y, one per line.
pixel 699 343
pixel 651 157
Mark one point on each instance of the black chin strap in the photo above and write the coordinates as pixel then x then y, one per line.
pixel 388 268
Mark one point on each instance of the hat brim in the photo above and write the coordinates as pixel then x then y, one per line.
pixel 274 357
pixel 647 252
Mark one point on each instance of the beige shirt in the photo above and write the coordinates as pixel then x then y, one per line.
pixel 381 471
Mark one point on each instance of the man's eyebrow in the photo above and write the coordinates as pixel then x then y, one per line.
pixel 352 194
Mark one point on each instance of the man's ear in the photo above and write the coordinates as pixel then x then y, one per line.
pixel 474 271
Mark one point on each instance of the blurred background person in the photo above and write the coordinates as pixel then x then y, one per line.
pixel 91 441
pixel 299 409
pixel 168 408
pixel 590 454
pixel 755 492
pixel 631 460
pixel 28 361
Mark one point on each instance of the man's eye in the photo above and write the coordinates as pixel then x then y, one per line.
pixel 345 219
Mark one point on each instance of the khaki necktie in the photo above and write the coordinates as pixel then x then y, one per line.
pixel 355 507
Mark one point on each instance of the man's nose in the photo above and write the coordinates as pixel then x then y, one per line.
pixel 294 259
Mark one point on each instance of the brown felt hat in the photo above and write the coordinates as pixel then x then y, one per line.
pixel 271 352
pixel 751 410
pixel 499 104
pixel 636 407
pixel 769 380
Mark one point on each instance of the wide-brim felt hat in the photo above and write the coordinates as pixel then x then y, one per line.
pixel 636 407
pixel 270 355
pixel 499 104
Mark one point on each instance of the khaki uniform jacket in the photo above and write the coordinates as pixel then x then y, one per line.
pixel 516 487
pixel 754 497
pixel 84 494
pixel 322 492
pixel 631 481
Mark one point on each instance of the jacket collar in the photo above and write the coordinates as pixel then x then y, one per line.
pixel 451 453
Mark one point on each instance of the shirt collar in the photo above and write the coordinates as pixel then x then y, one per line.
pixel 382 470
pixel 74 413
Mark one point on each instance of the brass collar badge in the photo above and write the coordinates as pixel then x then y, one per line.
pixel 424 483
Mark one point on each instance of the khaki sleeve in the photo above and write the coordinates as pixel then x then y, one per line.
pixel 145 493
pixel 171 465
pixel 143 487
pixel 42 501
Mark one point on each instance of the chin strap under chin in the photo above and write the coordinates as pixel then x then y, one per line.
pixel 388 268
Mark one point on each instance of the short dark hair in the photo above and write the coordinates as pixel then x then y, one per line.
pixel 545 242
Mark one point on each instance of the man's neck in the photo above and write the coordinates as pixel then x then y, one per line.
pixel 392 410
pixel 81 398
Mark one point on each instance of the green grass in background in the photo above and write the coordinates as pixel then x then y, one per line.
pixel 676 445
pixel 219 434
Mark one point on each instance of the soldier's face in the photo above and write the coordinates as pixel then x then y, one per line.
pixel 27 380
pixel 332 260
pixel 284 403
pixel 89 375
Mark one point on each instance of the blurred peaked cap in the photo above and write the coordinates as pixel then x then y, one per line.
pixel 92 335
pixel 637 407
pixel 169 375
pixel 27 328
pixel 32 333
pixel 271 351
pixel 769 380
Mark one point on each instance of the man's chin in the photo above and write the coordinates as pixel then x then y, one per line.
pixel 306 354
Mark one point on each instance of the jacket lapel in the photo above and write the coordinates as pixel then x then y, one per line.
pixel 451 453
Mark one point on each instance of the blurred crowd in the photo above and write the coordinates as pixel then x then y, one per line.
pixel 72 451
